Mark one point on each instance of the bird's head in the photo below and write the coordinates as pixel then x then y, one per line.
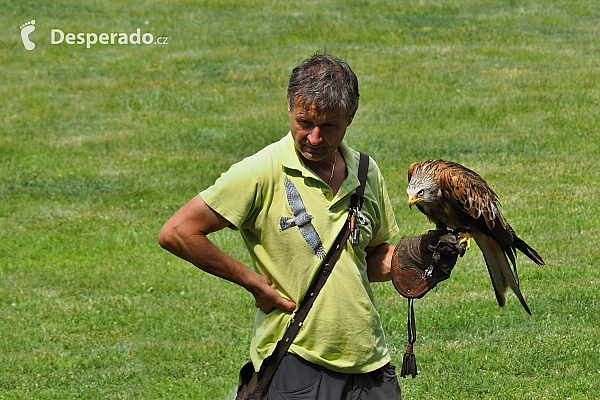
pixel 422 189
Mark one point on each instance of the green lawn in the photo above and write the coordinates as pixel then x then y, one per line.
pixel 100 146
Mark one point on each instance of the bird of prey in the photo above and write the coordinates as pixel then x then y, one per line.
pixel 453 196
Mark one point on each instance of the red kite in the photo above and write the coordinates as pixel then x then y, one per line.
pixel 456 197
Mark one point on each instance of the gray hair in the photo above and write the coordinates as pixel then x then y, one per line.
pixel 325 82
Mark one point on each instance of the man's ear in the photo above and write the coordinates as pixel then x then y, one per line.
pixel 288 104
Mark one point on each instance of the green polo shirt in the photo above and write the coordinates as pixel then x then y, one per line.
pixel 269 197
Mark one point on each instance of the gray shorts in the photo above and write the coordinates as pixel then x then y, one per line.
pixel 297 379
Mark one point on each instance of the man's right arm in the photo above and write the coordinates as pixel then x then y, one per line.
pixel 185 235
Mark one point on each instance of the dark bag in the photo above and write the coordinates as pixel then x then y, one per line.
pixel 255 385
pixel 248 385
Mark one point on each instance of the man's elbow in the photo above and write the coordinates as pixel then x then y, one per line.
pixel 167 237
pixel 193 221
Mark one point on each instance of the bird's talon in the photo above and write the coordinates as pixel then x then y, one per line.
pixel 465 238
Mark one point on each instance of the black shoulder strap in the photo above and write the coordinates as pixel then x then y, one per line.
pixel 363 170
pixel 272 363
pixel 358 199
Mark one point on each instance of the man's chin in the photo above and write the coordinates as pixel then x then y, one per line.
pixel 314 157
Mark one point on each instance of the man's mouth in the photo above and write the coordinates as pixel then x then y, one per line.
pixel 317 148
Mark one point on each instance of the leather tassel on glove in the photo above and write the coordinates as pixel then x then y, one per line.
pixel 409 363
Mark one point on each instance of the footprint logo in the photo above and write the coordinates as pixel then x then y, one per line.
pixel 26 29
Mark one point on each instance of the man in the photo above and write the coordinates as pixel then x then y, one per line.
pixel 341 348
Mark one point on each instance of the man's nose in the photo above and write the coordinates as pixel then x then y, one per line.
pixel 314 136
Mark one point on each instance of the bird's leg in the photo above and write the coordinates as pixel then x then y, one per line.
pixel 439 226
pixel 465 235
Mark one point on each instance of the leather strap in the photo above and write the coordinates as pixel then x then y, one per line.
pixel 284 344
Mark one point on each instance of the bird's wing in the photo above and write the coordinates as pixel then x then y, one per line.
pixel 525 248
pixel 473 196
pixel 473 199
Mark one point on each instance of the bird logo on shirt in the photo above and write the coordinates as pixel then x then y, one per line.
pixel 301 219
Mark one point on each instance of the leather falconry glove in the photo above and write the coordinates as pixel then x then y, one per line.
pixel 418 264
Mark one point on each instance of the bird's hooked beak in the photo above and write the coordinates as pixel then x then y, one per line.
pixel 412 199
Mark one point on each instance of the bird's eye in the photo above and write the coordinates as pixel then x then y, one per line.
pixel 421 193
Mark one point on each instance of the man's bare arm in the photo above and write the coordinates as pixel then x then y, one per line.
pixel 185 235
pixel 379 262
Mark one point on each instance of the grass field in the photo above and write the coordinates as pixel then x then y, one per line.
pixel 101 145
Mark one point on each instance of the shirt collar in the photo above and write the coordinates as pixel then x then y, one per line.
pixel 291 159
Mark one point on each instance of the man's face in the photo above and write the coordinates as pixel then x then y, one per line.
pixel 317 135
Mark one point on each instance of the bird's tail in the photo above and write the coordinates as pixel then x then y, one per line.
pixel 526 249
pixel 500 272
